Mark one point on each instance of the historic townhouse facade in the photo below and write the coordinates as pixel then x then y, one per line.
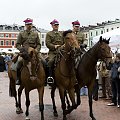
pixel 9 33
pixel 100 28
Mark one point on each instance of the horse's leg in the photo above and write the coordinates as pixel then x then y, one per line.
pixel 62 97
pixel 12 90
pixel 19 109
pixel 90 102
pixel 67 100
pixel 27 104
pixel 53 100
pixel 77 90
pixel 41 105
pixel 72 98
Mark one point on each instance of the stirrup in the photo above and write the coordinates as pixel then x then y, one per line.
pixel 50 80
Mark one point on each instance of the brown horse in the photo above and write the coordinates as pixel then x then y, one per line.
pixel 32 77
pixel 65 77
pixel 12 86
pixel 86 71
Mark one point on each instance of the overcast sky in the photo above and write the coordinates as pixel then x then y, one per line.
pixel 65 11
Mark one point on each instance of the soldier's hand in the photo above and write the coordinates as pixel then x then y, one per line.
pixel 56 46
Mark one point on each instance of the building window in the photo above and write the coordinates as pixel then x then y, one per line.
pixel 6 35
pixel 86 35
pixel 101 31
pixel 42 35
pixel 7 43
pixel 91 33
pixel 12 42
pixel 117 27
pixel 1 27
pixel 96 33
pixel 9 28
pixel 42 43
pixel 1 35
pixel 111 28
pixel 15 28
pixel 12 35
pixel 1 42
pixel 107 30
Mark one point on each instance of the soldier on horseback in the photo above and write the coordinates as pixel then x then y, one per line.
pixel 28 37
pixel 79 35
pixel 53 41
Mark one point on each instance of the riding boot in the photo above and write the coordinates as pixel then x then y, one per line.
pixel 18 81
pixel 50 78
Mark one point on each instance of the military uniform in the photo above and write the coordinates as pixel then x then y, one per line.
pixel 53 38
pixel 27 38
pixel 80 37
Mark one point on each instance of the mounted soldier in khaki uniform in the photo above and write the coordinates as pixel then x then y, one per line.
pixel 26 38
pixel 53 41
pixel 79 35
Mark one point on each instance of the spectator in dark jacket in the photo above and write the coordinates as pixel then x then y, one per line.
pixel 2 63
pixel 115 82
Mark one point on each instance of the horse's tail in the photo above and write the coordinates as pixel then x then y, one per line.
pixel 12 90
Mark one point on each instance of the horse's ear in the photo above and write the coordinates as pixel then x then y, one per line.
pixel 109 39
pixel 100 39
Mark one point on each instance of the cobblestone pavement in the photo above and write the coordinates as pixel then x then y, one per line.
pixel 7 106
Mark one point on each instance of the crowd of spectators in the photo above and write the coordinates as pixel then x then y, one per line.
pixel 4 57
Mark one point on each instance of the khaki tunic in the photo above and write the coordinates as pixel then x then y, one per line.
pixel 53 38
pixel 80 37
pixel 29 38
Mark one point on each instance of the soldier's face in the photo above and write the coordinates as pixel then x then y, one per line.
pixel 76 28
pixel 28 26
pixel 55 26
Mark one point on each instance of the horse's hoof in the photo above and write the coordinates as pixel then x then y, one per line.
pixel 18 111
pixel 56 114
pixel 27 118
pixel 66 112
pixel 93 118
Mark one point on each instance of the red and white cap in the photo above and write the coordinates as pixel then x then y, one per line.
pixel 28 21
pixel 54 22
pixel 76 23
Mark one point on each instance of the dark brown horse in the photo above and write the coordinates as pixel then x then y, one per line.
pixel 32 77
pixel 86 71
pixel 65 77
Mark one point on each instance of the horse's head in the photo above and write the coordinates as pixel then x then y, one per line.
pixel 104 51
pixel 71 43
pixel 33 54
pixel 24 53
pixel 29 54
pixel 70 39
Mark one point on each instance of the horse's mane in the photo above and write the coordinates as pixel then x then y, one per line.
pixel 24 53
pixel 96 46
pixel 104 40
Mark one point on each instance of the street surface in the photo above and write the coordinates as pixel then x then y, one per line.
pixel 7 106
